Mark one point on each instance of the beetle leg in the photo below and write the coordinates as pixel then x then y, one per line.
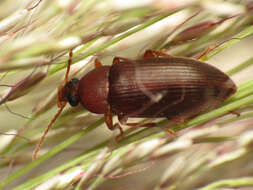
pixel 209 49
pixel 109 122
pixel 61 100
pixel 235 113
pixel 98 63
pixel 141 124
pixel 170 132
pixel 123 120
pixel 148 125
pixel 117 60
pixel 154 54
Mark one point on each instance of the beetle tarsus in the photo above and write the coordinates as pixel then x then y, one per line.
pixel 110 125
pixel 235 113
pixel 141 124
pixel 98 63
pixel 209 49
pixel 155 54
pixel 117 60
pixel 121 135
pixel 123 121
pixel 170 132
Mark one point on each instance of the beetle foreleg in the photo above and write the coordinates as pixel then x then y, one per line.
pixel 109 122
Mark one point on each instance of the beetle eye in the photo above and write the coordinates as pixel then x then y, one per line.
pixel 74 80
pixel 72 99
pixel 69 84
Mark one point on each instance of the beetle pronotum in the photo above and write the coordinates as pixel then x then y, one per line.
pixel 158 85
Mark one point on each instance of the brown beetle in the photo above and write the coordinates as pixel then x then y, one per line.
pixel 157 85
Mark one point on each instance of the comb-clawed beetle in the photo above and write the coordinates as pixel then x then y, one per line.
pixel 158 85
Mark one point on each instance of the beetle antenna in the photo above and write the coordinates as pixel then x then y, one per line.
pixel 68 67
pixel 61 104
pixel 212 47
pixel 36 150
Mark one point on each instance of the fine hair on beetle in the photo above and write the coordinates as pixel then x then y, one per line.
pixel 155 97
pixel 155 86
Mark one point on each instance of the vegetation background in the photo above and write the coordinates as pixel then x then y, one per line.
pixel 212 151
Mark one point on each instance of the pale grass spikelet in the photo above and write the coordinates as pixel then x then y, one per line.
pixel 116 161
pixel 172 148
pixel 11 21
pixel 60 181
pixel 228 157
pixel 246 139
pixel 24 63
pixel 243 147
pixel 233 183
pixel 124 5
pixel 170 172
pixel 198 133
pixel 5 140
pixel 66 179
pixel 64 3
pixel 22 87
pixel 144 149
pixel 223 7
pixel 94 168
pixel 50 184
pixel 69 42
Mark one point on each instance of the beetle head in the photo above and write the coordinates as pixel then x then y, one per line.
pixel 69 93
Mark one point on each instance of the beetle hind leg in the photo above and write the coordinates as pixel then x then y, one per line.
pixel 141 124
pixel 149 124
pixel 123 121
